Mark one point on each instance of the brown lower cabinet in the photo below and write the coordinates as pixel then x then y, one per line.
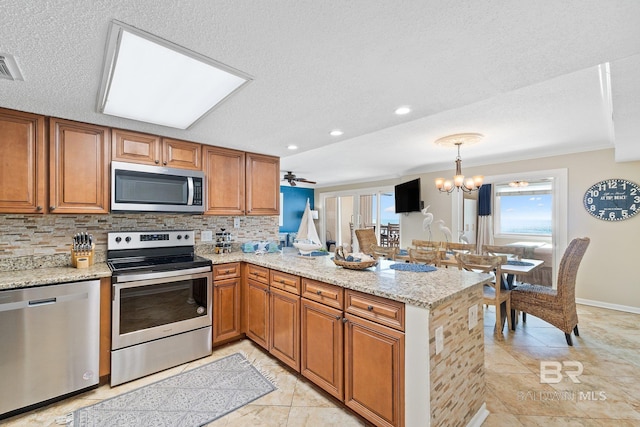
pixel 226 309
pixel 322 338
pixel 284 342
pixel 227 282
pixel 105 329
pixel 374 371
pixel 257 312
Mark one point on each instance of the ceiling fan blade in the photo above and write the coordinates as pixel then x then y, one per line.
pixel 305 180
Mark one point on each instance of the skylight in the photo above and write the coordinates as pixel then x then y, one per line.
pixel 153 80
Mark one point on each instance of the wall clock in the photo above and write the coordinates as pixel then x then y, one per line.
pixel 613 199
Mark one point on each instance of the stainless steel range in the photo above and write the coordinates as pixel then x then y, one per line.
pixel 161 302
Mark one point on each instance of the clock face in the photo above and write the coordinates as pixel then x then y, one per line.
pixel 613 199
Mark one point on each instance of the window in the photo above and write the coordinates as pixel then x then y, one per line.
pixel 524 211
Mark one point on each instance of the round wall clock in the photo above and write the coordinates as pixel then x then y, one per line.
pixel 613 199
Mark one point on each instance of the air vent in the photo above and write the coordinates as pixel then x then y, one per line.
pixel 9 68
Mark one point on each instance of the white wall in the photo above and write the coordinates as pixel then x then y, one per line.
pixel 609 271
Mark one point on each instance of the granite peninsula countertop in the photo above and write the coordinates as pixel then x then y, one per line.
pixel 421 289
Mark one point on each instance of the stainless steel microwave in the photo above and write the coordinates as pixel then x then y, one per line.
pixel 145 188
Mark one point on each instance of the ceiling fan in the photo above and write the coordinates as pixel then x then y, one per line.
pixel 289 176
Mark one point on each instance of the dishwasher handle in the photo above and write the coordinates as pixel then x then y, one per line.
pixel 40 302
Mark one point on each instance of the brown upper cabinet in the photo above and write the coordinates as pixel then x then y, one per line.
pixel 23 173
pixel 224 170
pixel 134 147
pixel 78 167
pixel 240 183
pixel 262 185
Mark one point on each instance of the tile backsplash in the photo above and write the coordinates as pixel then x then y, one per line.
pixel 33 241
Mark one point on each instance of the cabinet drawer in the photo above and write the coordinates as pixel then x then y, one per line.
pixel 259 274
pixel 381 310
pixel 226 271
pixel 286 282
pixel 325 293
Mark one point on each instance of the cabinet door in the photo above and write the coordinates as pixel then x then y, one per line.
pixel 226 309
pixel 22 162
pixel 257 312
pixel 224 170
pixel 374 371
pixel 322 346
pixel 78 167
pixel 285 327
pixel 263 185
pixel 181 154
pixel 127 146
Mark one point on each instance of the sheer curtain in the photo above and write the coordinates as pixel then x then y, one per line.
pixel 485 220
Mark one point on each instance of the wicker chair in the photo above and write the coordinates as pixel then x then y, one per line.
pixel 366 237
pixel 419 256
pixel 382 251
pixel 492 294
pixel 557 307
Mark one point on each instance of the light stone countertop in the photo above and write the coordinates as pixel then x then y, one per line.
pixel 426 290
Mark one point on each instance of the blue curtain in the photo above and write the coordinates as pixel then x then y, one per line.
pixel 484 200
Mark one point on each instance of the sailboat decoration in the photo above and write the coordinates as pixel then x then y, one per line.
pixel 307 239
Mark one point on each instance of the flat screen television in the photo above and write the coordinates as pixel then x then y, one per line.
pixel 408 196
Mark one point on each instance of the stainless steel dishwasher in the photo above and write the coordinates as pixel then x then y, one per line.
pixel 49 343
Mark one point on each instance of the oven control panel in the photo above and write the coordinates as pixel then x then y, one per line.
pixel 149 239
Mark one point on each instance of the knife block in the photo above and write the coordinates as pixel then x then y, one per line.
pixel 82 259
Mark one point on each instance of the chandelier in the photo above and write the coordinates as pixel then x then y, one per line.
pixel 459 182
pixel 518 184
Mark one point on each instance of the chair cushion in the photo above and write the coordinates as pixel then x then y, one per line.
pixel 534 291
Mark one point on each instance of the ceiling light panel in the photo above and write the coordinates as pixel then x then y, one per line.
pixel 155 81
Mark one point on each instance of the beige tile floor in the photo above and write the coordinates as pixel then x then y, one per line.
pixel 608 349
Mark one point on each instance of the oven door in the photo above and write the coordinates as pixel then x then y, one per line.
pixel 146 310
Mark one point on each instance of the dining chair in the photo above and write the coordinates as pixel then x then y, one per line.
pixel 366 237
pixel 517 251
pixel 426 245
pixel 556 306
pixel 469 248
pixel 419 256
pixel 383 251
pixel 493 294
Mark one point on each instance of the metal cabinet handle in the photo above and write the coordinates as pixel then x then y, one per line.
pixel 157 161
pixel 344 320
pixel 319 292
pixel 370 308
pixel 51 208
pixel 338 317
pixel 38 208
pixel 164 163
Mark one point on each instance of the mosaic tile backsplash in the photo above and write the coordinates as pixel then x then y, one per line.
pixel 34 241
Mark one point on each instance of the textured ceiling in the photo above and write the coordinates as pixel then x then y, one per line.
pixel 525 74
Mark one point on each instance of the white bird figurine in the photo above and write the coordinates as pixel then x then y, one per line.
pixel 426 222
pixel 445 230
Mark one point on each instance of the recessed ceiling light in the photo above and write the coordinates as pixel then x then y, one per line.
pixel 292 147
pixel 403 110
pixel 336 132
pixel 152 80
